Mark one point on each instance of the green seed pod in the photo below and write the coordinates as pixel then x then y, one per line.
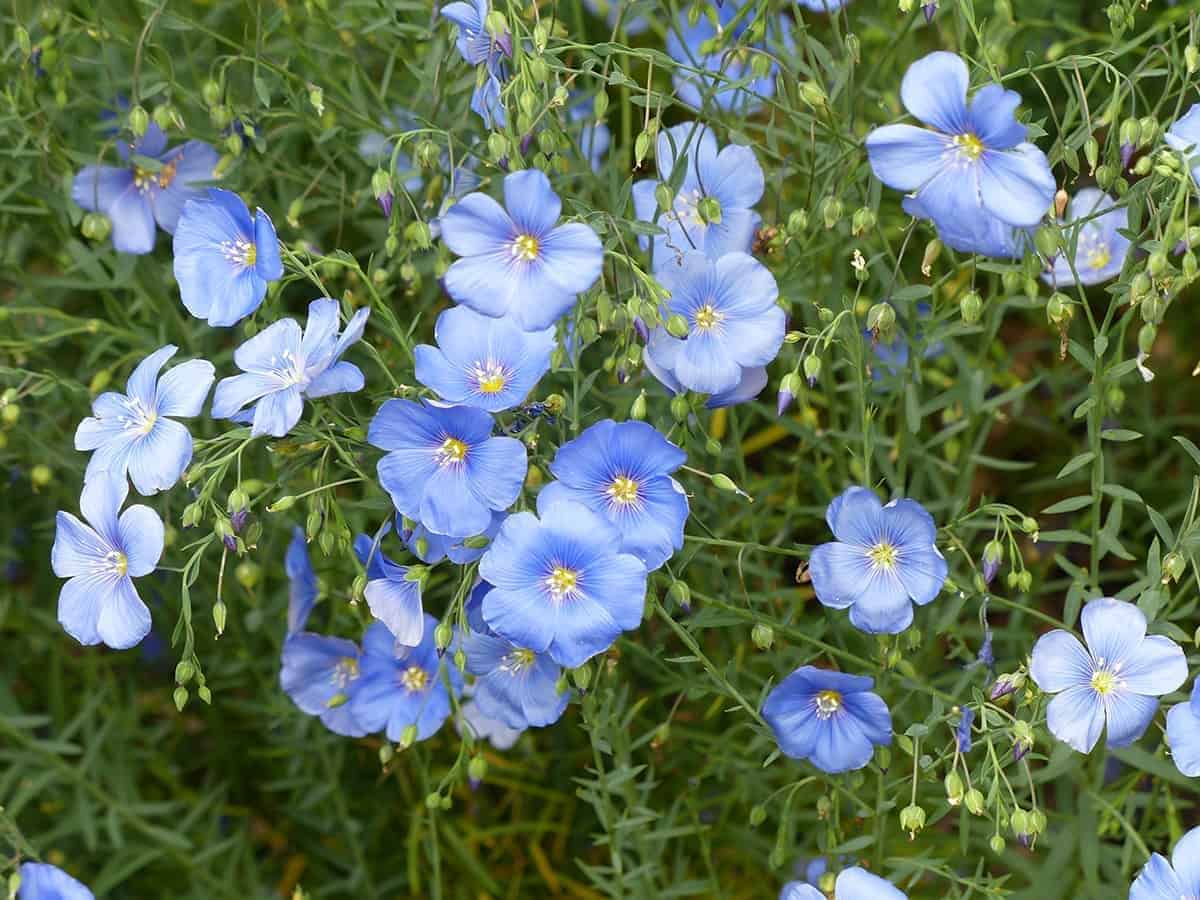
pixel 1146 337
pixel 763 636
pixel 184 672
pixel 180 696
pixel 709 210
pixel 1047 241
pixel 139 120
pixel 813 94
pixel 637 409
pixel 881 318
pixel 797 222
pixel 862 221
pixel 1059 309
pixel 1143 166
pixel 282 504
pixel 932 250
pixel 220 614
pixel 954 788
pixel 971 307
pixel 973 801
pixel 95 226
pixel 912 819
pixel 680 408
pixel 248 574
pixel 831 211
pixel 996 843
pixel 477 769
pixel 758 815
pixel 680 593
pixel 582 676
pixel 443 634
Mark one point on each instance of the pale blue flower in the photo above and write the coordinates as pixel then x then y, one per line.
pixel 1178 879
pixel 392 596
pixel 224 257
pixel 514 684
pixel 283 366
pixel 100 559
pixel 1115 681
pixel 133 433
pixel 883 561
pixel 1100 249
pixel 41 881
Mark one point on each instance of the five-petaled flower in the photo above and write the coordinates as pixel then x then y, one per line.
pixel 623 471
pixel 734 324
pixel 518 261
pixel 41 881
pixel 560 586
pixel 132 433
pixel 713 209
pixel 883 561
pixel 154 184
pixel 322 675
pixel 1178 879
pixel 100 559
pixel 1100 248
pixel 443 468
pixel 224 257
pixel 972 165
pixel 282 366
pixel 514 684
pixel 829 718
pixel 489 363
pixel 1116 680
pixel 854 883
pixel 403 686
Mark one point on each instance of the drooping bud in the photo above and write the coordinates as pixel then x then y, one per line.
pixel 929 9
pixel 973 801
pixel 637 410
pixel 954 788
pixel 442 636
pixel 763 636
pixel 993 553
pixel 1022 739
pixel 812 368
pixel 971 307
pixel 912 820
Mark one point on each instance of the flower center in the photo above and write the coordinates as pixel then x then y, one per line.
pixel 115 563
pixel 490 377
pixel 345 671
pixel 827 703
pixel 414 679
pixel 969 145
pixel 167 173
pixel 1099 256
pixel 525 247
pixel 883 555
pixel 623 490
pixel 707 317
pixel 562 582
pixel 240 252
pixel 288 369
pixel 140 419
pixel 1104 682
pixel 520 659
pixel 687 207
pixel 451 452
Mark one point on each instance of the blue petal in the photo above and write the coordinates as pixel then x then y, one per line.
pixel 839 572
pixel 1114 629
pixel 798 890
pixel 1060 662
pixel 268 264
pixel 790 710
pixel 239 391
pixel 278 412
pixel 733 234
pixel 124 619
pixel 302 582
pixel 905 157
pixel 194 162
pixel 857 883
pixel 141 537
pixel 855 517
pixel 1076 717
pixel 872 715
pixel 749 386
pixel 404 425
pixel 1156 667
pixel 77 548
pixel 707 365
pixel 97 188
pixel 477 225
pixel 1129 715
pixel 908 525
pixel 1156 881
pixel 993 120
pixel 572 258
pixel 340 378
pixel 883 607
pixel 736 178
pixel 79 604
pixel 262 352
pixel 1185 858
pixel 157 460
pixel 922 572
pixel 404 474
pixel 841 746
pixel 40 881
pixel 531 202
pixel 449 504
pixel 100 501
pixel 142 382
pixel 132 222
pixel 182 390
pixel 1016 185
pixel 934 89
pixel 496 470
pixel 398 605
pixel 693 140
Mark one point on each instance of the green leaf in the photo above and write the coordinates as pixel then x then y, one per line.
pixel 1192 450
pixel 1120 434
pixel 1076 463
pixel 1068 505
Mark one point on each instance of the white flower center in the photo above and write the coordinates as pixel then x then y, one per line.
pixel 490 376
pixel 240 252
pixel 414 679
pixel 562 582
pixel 827 703
pixel 451 452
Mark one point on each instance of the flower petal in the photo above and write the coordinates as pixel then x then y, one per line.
pixel 839 572
pixel 157 460
pixel 278 412
pixel 124 619
pixel 992 117
pixel 905 157
pixel 531 202
pixel 1156 881
pixel 477 225
pixel 1076 717
pixel 1129 715
pixel 1060 662
pixel 340 378
pixel 1113 629
pixel 1157 666
pixel 572 257
pixel 1183 737
pixel 857 883
pixel 1185 859
pixel 855 517
pixel 141 539
pixel 1016 185
pixel 934 89
pixel 181 391
pixel 79 604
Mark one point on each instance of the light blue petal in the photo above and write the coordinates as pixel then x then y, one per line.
pixel 572 258
pixel 1060 662
pixel 278 412
pixel 993 120
pixel 404 474
pixel 905 157
pixel 404 425
pixel 883 607
pixel 79 604
pixel 749 386
pixel 76 548
pixel 934 89
pixel 872 714
pixel 100 501
pixel 497 470
pixel 798 890
pixel 141 539
pixel 841 745
pixel 239 391
pixel 194 162
pixel 531 202
pixel 858 884
pixel 839 573
pixel 397 604
pixel 268 265
pixel 142 383
pixel 157 460
pixel 1076 717
pixel 1113 629
pixel 132 220
pixel 1156 881
pixel 736 178
pixel 449 503
pixel 855 517
pixel 694 140
pixel 340 378
pixel 124 619
pixel 1016 185
pixel 263 352
pixel 182 390
pixel 1185 859
pixel 96 188
pixel 40 881
pixel 302 582
pixel 1183 737
pixel 922 572
pixel 1156 667
pixel 733 234
pixel 1129 715
pixel 320 332
pixel 477 225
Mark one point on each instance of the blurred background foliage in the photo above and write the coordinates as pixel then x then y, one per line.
pixel 661 781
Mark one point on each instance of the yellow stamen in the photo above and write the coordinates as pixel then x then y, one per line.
pixel 883 555
pixel 707 317
pixel 828 702
pixel 148 423
pixel 969 145
pixel 623 490
pixel 451 451
pixel 414 679
pixel 561 582
pixel 1099 257
pixel 525 247
pixel 1104 682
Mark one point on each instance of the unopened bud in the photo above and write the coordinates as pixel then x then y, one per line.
pixel 763 636
pixel 912 819
pixel 954 788
pixel 680 593
pixel 971 307
pixel 973 801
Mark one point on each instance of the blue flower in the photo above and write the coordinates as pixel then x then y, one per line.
pixel 1183 733
pixel 100 559
pixel 1099 249
pixel 517 262
pixel 474 43
pixel 134 197
pixel 623 472
pixel 1184 136
pixel 224 258
pixel 981 233
pixel 559 584
pixel 732 180
pixel 727 66
pixel 40 881
pixel 1116 680
pixel 393 598
pixel 751 380
pixel 974 164
pixel 486 100
pixel 302 582
pixel 443 467
pixel 132 433
pixel 480 726
pixel 323 675
pixel 431 547
pixel 283 366
pixel 883 561
pixel 488 363
pixel 403 686
pixel 733 321
pixel 1174 880
pixel 514 684
pixel 854 883
pixel 829 718
pixel 615 11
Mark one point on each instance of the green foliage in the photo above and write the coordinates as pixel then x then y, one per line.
pixel 181 770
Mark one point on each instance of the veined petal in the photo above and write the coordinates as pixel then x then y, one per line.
pixel 1156 881
pixel 531 202
pixel 934 89
pixel 855 517
pixel 141 532
pixel 1060 662
pixel 498 468
pixel 572 257
pixel 1183 737
pixel 1128 716
pixel 181 391
pixel 100 501
pixel 239 391
pixel 477 225
pixel 157 460
pixel 1114 629
pixel 268 264
pixel 263 352
pixel 132 220
pixel 1076 717
pixel 1016 185
pixel 79 604
pixel 1157 666
pixel 905 157
pixel 1185 859
pixel 76 548
pixel 993 120
pixel 278 412
pixel 96 188
pixel 838 572
pixel 857 883
pixel 340 378
pixel 124 619
pixel 142 383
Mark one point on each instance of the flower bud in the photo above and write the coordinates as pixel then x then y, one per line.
pixel 677 325
pixel 1022 739
pixel 442 635
pixel 248 574
pixel 973 801
pixel 1191 58
pixel 763 636
pixel 971 307
pixel 813 94
pixel 932 250
pixel 1046 239
pixel 282 504
pixel 641 147
pixel 139 121
pixel 954 788
pixel 797 222
pixel 220 613
pixel 1173 567
pixel 476 770
pixel 180 696
pixel 831 211
pixel 680 593
pixel 881 319
pixel 758 815
pixel 95 226
pixel 862 221
pixel 812 368
pixel 184 672
pixel 1059 309
pixel 680 408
